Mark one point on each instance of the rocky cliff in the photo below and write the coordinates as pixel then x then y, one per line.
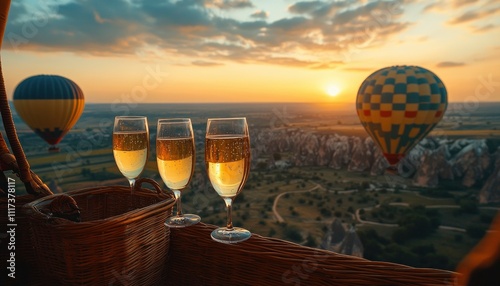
pixel 433 160
pixel 490 192
pixel 340 240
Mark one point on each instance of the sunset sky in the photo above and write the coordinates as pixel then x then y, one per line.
pixel 145 51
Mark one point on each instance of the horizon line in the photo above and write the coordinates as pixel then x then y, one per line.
pixel 262 102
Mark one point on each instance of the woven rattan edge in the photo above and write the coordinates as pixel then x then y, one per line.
pixel 167 201
pixel 286 257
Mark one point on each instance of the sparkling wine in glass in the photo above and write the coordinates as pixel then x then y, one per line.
pixel 131 146
pixel 227 159
pixel 175 156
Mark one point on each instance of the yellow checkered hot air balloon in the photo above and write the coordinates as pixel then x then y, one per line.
pixel 50 105
pixel 398 106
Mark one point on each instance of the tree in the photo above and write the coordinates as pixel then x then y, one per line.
pixel 435 260
pixel 241 197
pixel 423 249
pixel 373 244
pixel 365 185
pixel 325 212
pixel 399 254
pixel 468 206
pixel 486 218
pixel 85 172
pixel 277 156
pixel 400 235
pixel 475 231
pixel 293 234
pixel 261 165
pixel 310 241
pixel 416 225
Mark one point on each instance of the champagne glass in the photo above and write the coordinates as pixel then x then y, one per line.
pixel 131 146
pixel 175 156
pixel 227 159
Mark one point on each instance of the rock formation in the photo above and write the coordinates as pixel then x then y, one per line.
pixel 468 161
pixel 433 166
pixel 351 244
pixel 337 239
pixel 490 192
pixel 334 236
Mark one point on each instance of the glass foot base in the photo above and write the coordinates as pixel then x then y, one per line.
pixel 237 234
pixel 182 221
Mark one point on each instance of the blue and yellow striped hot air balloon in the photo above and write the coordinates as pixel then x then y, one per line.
pixel 50 105
pixel 398 106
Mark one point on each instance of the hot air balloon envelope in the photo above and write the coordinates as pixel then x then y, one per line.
pixel 398 106
pixel 50 105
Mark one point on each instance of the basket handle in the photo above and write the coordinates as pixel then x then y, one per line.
pixel 33 183
pixel 157 186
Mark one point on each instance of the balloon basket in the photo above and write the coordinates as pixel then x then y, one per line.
pixel 392 170
pixel 54 149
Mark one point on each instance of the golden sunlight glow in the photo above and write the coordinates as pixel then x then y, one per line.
pixel 332 90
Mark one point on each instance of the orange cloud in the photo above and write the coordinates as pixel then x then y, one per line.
pixel 450 64
pixel 473 15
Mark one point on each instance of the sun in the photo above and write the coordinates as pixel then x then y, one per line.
pixel 332 90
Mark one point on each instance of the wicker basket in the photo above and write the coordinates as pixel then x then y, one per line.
pixel 195 259
pixel 121 240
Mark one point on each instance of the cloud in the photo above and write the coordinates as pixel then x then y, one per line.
pixel 473 15
pixel 432 6
pixel 325 66
pixel 291 61
pixel 460 3
pixel 290 23
pixel 229 4
pixel 422 39
pixel 476 13
pixel 450 64
pixel 318 8
pixel 484 28
pixel 310 33
pixel 465 10
pixel 75 27
pixel 205 63
pixel 360 69
pixel 260 14
pixel 17 9
pixel 305 7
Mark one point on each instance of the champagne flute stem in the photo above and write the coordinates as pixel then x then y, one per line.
pixel 132 184
pixel 177 195
pixel 229 206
